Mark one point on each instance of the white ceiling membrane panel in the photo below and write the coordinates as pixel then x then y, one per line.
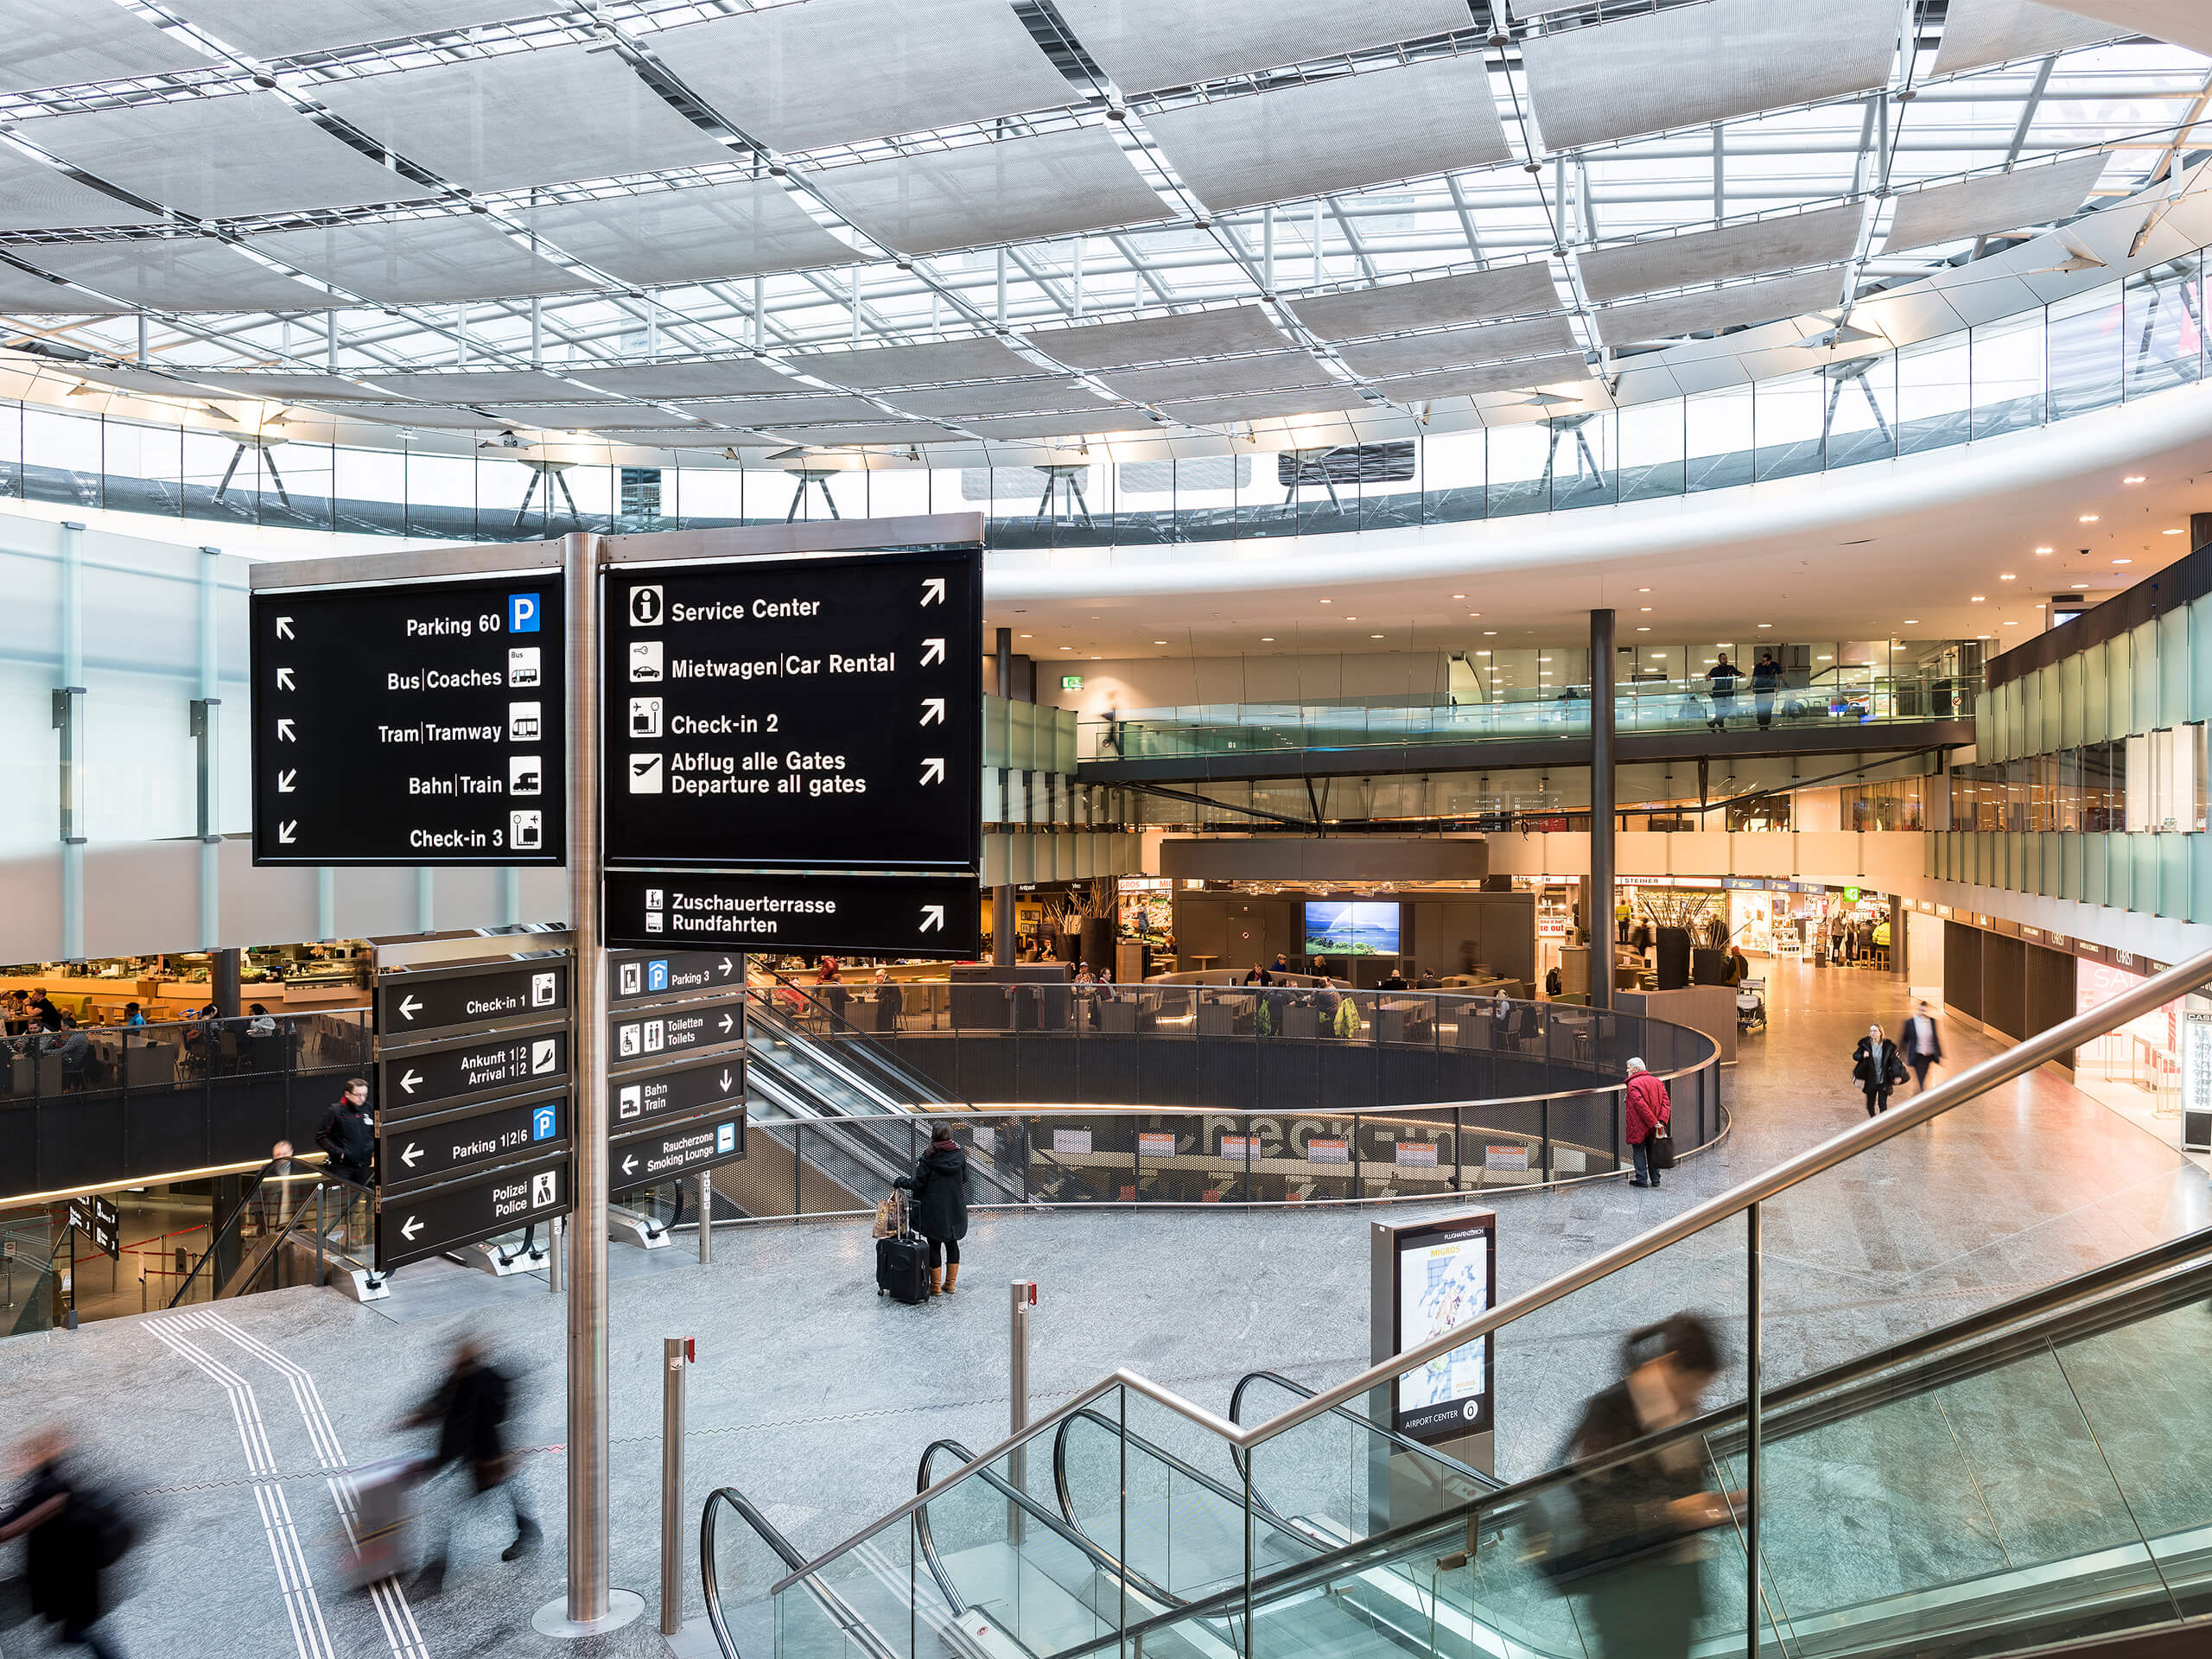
pixel 1512 292
pixel 1526 375
pixel 1524 10
pixel 929 364
pixel 1690 65
pixel 698 235
pixel 585 417
pixel 1281 373
pixel 1015 428
pixel 23 293
pixel 2185 22
pixel 778 411
pixel 1434 117
pixel 1720 307
pixel 1417 353
pixel 1158 340
pixel 878 432
pixel 473 386
pixel 419 261
pixel 423 415
pixel 1013 397
pixel 36 197
pixel 1053 184
pixel 720 379
pixel 691 437
pixel 2001 201
pixel 827 72
pixel 222 157
pixel 64 42
pixel 279 29
pixel 1823 237
pixel 139 380
pixel 278 385
pixel 174 274
pixel 1148 44
pixel 1978 33
pixel 1265 406
pixel 523 119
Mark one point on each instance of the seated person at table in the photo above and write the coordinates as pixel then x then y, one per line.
pixel 1259 976
pixel 1428 981
pixel 72 1045
pixel 262 1024
pixel 133 1014
pixel 1394 980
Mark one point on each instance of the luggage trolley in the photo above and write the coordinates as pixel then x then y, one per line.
pixel 1751 1005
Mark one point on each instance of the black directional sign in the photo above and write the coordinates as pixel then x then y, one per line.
pixel 635 974
pixel 409 724
pixel 671 1150
pixel 651 1033
pixel 421 1080
pixel 636 1099
pixel 429 999
pixel 433 1148
pixel 810 713
pixel 97 1220
pixel 881 916
pixel 414 1225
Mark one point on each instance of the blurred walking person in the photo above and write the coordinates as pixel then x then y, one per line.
pixel 1923 1045
pixel 470 1408
pixel 74 1535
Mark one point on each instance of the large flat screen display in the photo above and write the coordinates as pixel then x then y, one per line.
pixel 1350 928
pixel 1447 1276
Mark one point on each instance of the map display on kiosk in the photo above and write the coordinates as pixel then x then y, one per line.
pixel 806 713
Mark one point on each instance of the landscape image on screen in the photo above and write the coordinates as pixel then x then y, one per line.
pixel 1350 928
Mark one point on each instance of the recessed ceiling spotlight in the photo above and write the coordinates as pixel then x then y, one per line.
pixel 2088 518
pixel 2042 551
pixel 2011 624
pixel 1482 653
pixel 1828 659
pixel 1459 596
pixel 2173 533
pixel 2123 561
pixel 1978 598
pixel 1160 642
pixel 1983 636
pixel 1351 618
pixel 2080 584
pixel 1766 625
pixel 2007 576
pixel 1266 638
pixel 1375 636
pixel 2135 477
pixel 1489 632
pixel 1328 601
pixel 1646 609
pixel 1912 621
pixel 1028 636
pixel 1644 630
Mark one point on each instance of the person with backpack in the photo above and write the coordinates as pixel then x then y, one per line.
pixel 1647 1110
pixel 75 1534
pixel 1877 1068
pixel 1637 1546
pixel 940 1187
pixel 470 1408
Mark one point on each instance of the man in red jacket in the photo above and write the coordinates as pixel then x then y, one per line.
pixel 1647 1112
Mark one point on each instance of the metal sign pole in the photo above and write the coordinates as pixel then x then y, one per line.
pixel 591 1607
pixel 674 1350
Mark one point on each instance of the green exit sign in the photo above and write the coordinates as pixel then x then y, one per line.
pixel 1071 682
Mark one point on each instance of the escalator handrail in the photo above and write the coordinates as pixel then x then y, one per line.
pixel 1429 1453
pixel 848 1621
pixel 1174 1463
pixel 1968 1085
pixel 314 1176
pixel 923 1087
pixel 1066 1530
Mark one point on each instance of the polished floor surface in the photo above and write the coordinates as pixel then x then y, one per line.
pixel 234 1427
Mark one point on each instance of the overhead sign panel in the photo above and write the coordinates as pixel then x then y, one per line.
pixel 417 723
pixel 413 1226
pixel 419 1081
pixel 633 974
pixel 428 1150
pixel 664 1153
pixel 635 1100
pixel 429 1000
pixel 881 916
pixel 811 712
pixel 676 1029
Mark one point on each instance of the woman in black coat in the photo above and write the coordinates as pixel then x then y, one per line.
pixel 939 1185
pixel 1876 1068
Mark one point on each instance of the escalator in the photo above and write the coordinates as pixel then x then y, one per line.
pixel 2032 1477
pixel 299 1224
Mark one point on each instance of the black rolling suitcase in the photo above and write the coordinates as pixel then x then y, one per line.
pixel 902 1269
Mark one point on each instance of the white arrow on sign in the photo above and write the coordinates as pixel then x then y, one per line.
pixel 411 1155
pixel 284 627
pixel 933 591
pixel 932 919
pixel 284 831
pixel 932 651
pixel 629 1163
pixel 726 1022
pixel 285 781
pixel 932 711
pixel 414 1226
pixel 725 1080
pixel 725 969
pixel 933 770
pixel 409 1006
pixel 411 1080
pixel 285 733
pixel 285 680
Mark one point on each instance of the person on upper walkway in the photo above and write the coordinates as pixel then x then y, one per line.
pixel 1721 679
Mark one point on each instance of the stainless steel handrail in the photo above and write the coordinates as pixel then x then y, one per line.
pixel 1970 1084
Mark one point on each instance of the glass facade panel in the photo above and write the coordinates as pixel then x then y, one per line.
pixel 2083 341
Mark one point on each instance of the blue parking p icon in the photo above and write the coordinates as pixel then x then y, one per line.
pixel 522 613
pixel 545 1124
pixel 657 975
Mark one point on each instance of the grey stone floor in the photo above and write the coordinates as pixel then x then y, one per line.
pixel 815 1397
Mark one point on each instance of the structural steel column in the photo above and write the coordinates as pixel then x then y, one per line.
pixel 1601 810
pixel 1002 897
